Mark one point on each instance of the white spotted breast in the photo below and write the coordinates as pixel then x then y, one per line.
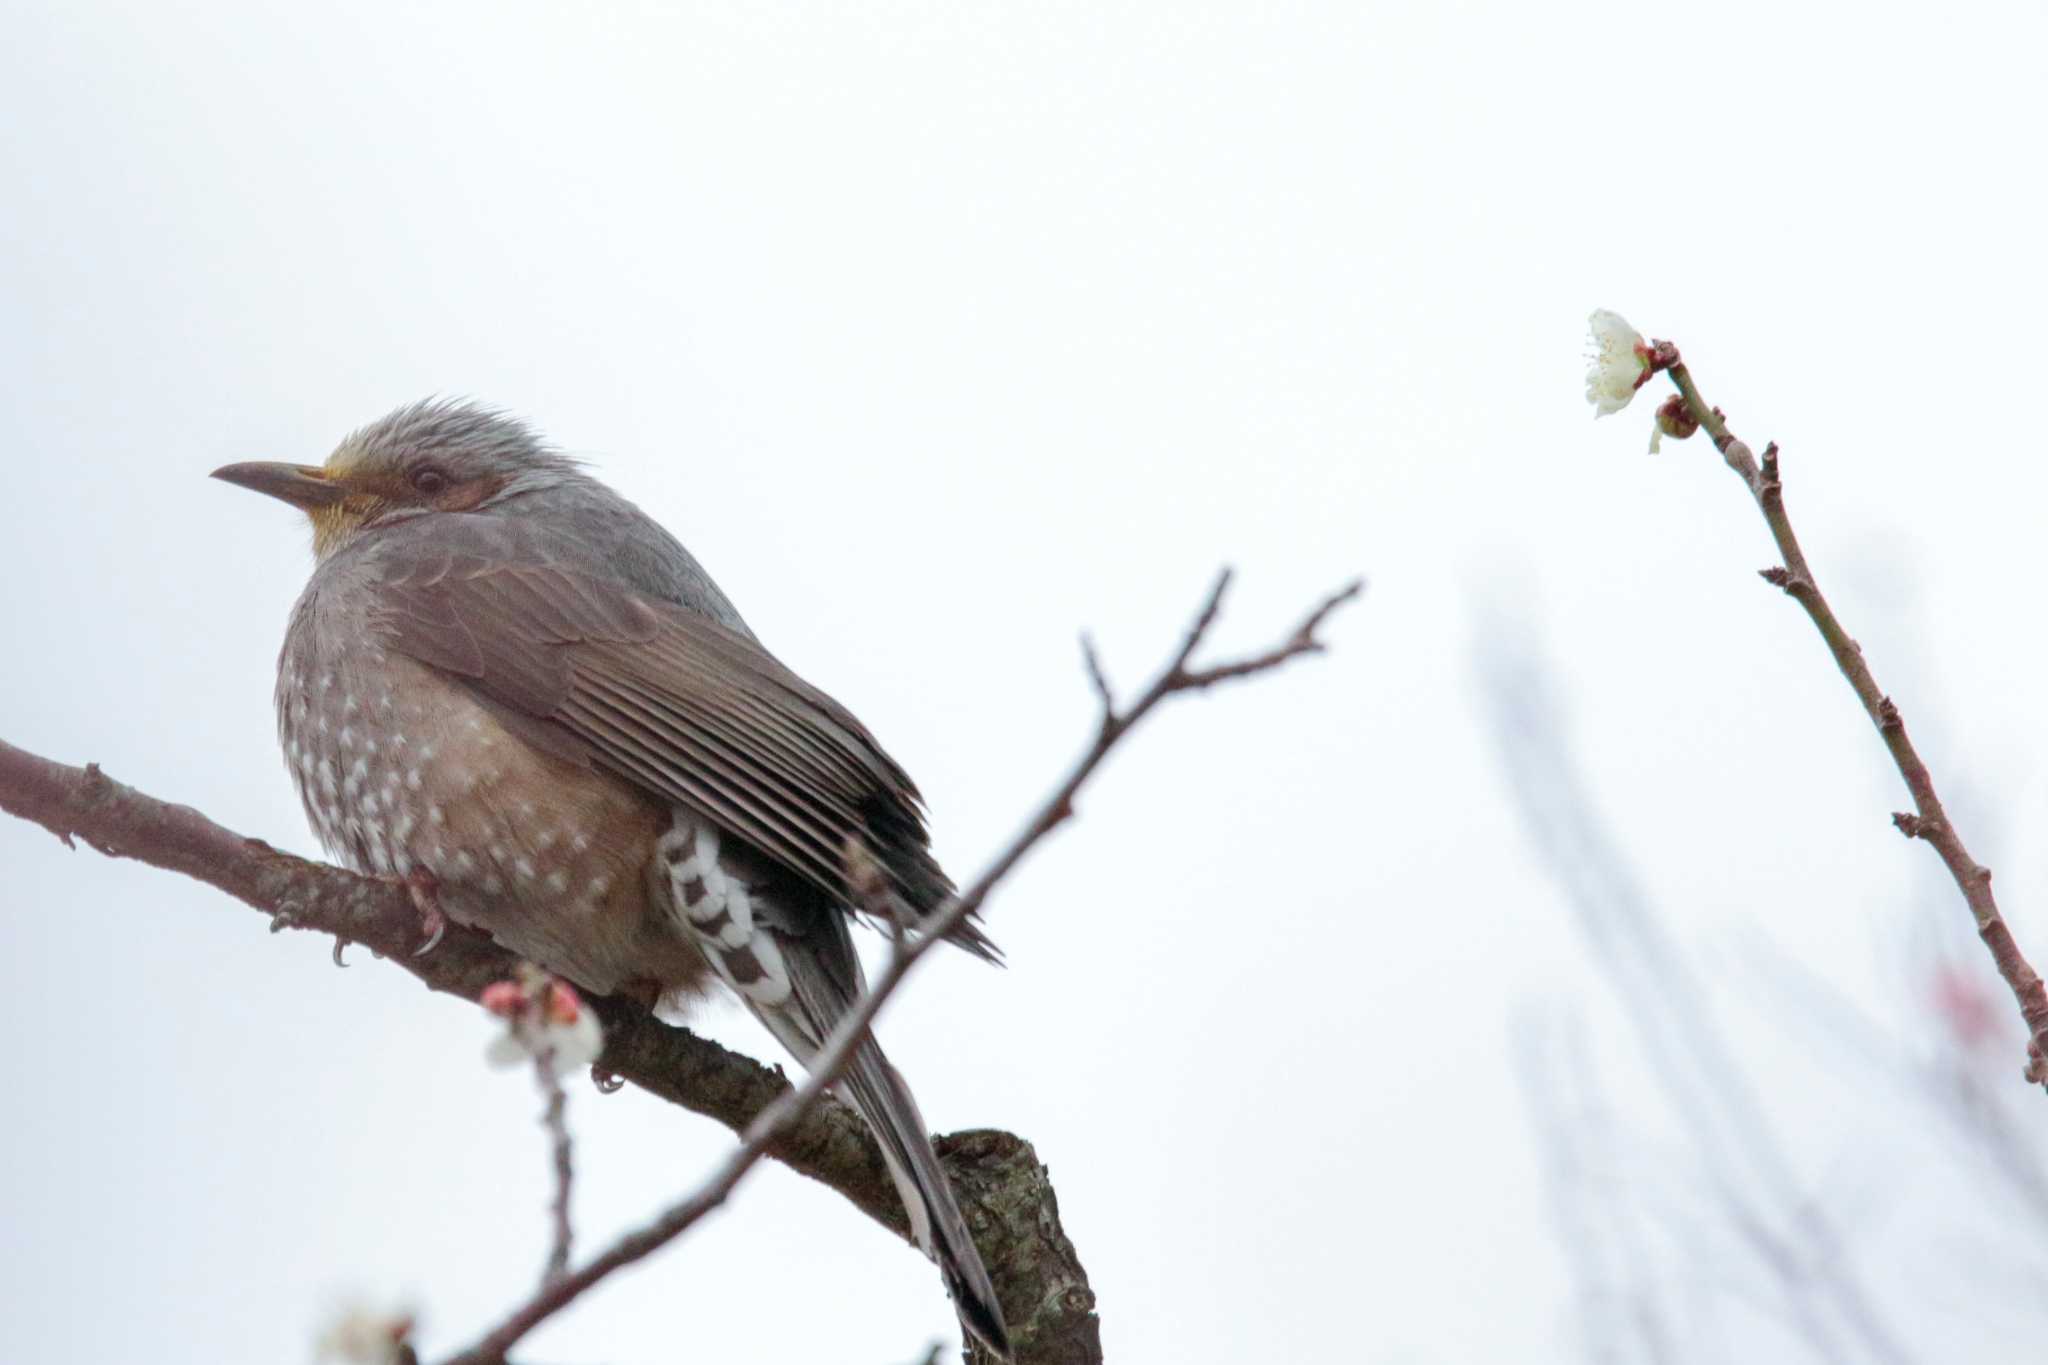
pixel 402 771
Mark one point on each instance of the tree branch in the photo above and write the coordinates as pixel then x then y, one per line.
pixel 790 1108
pixel 831 1145
pixel 997 1176
pixel 1929 820
pixel 554 1118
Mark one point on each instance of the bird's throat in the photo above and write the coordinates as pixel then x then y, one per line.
pixel 338 523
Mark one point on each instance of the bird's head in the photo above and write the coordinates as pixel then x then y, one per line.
pixel 436 456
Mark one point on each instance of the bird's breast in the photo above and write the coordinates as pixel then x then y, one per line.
pixel 402 770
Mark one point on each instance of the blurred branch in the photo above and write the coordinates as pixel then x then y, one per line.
pixel 1032 1263
pixel 1620 1314
pixel 790 1108
pixel 1928 820
pixel 1947 1083
pixel 1747 1173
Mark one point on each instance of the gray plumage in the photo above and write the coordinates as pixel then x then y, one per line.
pixel 505 678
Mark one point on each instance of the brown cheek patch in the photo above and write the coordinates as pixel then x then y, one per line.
pixel 464 497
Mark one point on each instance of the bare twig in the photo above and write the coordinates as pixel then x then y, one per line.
pixel 1928 820
pixel 1096 677
pixel 790 1108
pixel 869 887
pixel 555 1120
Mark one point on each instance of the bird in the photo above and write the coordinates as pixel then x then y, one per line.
pixel 509 687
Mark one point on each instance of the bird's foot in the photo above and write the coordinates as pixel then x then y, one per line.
pixel 425 890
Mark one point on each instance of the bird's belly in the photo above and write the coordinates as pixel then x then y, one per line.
pixel 402 771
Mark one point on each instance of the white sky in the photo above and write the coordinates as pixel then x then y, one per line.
pixel 940 332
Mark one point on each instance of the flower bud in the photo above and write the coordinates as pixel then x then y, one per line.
pixel 1674 419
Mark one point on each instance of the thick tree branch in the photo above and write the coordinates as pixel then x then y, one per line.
pixel 997 1176
pixel 1928 820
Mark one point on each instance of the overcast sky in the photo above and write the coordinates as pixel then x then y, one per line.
pixel 939 333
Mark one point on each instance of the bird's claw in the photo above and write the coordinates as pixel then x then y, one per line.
pixel 435 925
pixel 425 891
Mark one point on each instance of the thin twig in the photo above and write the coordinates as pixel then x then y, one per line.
pixel 1928 820
pixel 846 1037
pixel 868 886
pixel 554 1118
pixel 1096 677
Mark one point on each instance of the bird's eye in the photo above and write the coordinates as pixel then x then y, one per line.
pixel 429 481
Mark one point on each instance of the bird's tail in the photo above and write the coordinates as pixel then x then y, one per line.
pixel 818 999
pixel 878 1092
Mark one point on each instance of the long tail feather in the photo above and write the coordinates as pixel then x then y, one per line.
pixel 877 1090
pixel 792 962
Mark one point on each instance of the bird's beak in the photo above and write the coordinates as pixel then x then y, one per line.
pixel 306 486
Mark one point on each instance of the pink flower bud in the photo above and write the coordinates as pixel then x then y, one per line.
pixel 1674 419
pixel 563 1004
pixel 504 998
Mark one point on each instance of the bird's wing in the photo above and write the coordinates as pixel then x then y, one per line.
pixel 664 697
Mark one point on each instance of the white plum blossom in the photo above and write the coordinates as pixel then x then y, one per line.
pixel 1619 357
pixel 360 1335
pixel 544 1018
